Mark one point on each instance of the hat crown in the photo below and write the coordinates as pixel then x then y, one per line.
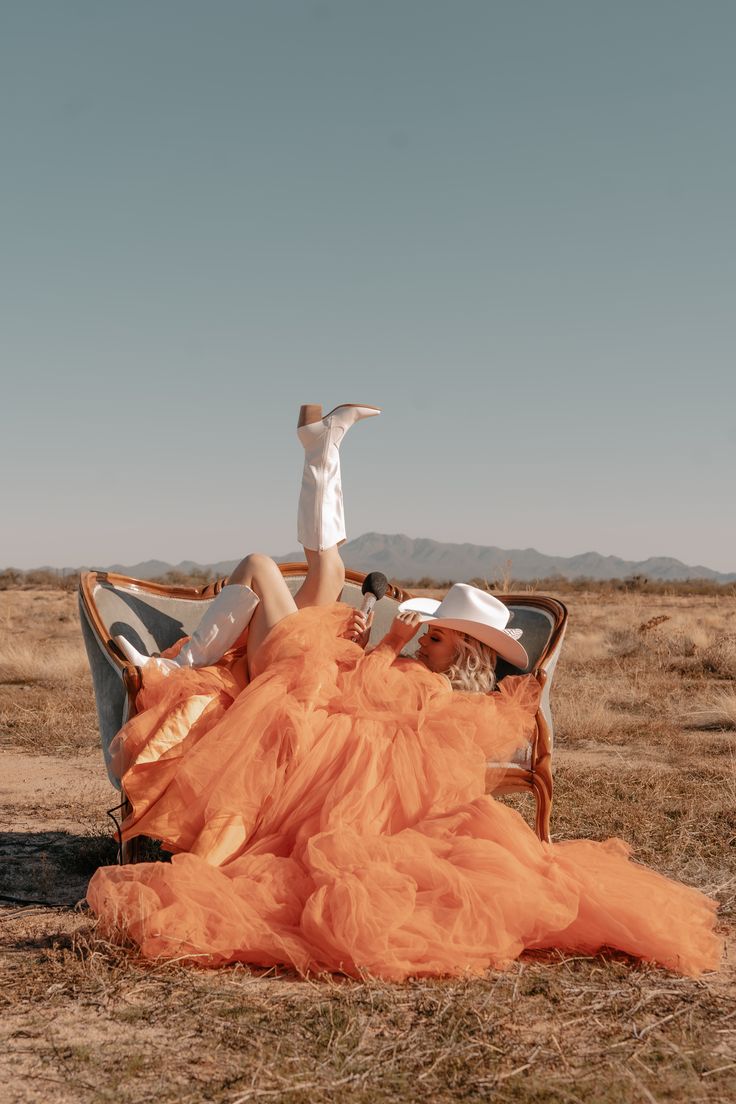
pixel 468 603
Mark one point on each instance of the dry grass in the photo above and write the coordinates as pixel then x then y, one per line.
pixel 45 720
pixel 717 712
pixel 53 666
pixel 46 700
pixel 104 1028
pixel 645 749
pixel 719 657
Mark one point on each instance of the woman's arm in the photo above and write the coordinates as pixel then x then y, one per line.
pixel 404 626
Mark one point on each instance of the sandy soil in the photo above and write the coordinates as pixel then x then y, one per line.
pixel 55 805
pixel 32 784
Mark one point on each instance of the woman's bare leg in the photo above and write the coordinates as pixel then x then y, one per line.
pixel 321 587
pixel 325 578
pixel 262 575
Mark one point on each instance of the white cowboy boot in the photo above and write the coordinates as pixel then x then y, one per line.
pixel 223 621
pixel 321 516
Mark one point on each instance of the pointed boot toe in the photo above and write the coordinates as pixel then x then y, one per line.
pixel 140 659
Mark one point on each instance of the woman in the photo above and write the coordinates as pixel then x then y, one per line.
pixel 331 812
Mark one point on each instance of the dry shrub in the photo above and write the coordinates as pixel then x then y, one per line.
pixel 624 642
pixel 10 578
pixel 720 658
pixel 187 578
pixel 702 634
pixel 653 623
pixel 698 631
pixel 718 711
pixel 599 590
pixel 676 645
pixel 40 578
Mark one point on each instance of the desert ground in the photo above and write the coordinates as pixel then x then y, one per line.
pixel 645 711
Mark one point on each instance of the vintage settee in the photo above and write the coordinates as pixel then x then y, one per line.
pixel 154 616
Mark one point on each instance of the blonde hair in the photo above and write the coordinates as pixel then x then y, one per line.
pixel 474 665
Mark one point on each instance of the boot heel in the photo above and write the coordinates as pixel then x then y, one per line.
pixel 311 412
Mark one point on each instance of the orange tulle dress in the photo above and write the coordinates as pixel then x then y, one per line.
pixel 331 815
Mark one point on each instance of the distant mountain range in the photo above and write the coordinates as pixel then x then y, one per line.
pixel 402 557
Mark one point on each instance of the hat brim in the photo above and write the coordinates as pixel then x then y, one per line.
pixel 424 606
pixel 502 643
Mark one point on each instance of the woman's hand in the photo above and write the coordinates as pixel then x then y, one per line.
pixel 404 626
pixel 359 627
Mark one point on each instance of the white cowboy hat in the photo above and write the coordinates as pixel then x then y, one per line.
pixel 473 611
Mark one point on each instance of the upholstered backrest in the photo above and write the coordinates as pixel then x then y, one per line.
pixel 151 622
pixel 537 625
pixel 111 697
pixel 153 618
pixel 542 621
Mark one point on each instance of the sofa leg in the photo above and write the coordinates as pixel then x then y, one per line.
pixel 543 801
pixel 130 851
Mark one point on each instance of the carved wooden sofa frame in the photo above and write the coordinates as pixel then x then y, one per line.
pixel 154 616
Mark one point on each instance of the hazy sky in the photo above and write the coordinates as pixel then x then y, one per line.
pixel 510 224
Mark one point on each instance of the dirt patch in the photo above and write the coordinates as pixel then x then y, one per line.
pixel 60 831
pixel 51 789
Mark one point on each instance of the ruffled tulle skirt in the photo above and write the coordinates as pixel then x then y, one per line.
pixel 331 814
